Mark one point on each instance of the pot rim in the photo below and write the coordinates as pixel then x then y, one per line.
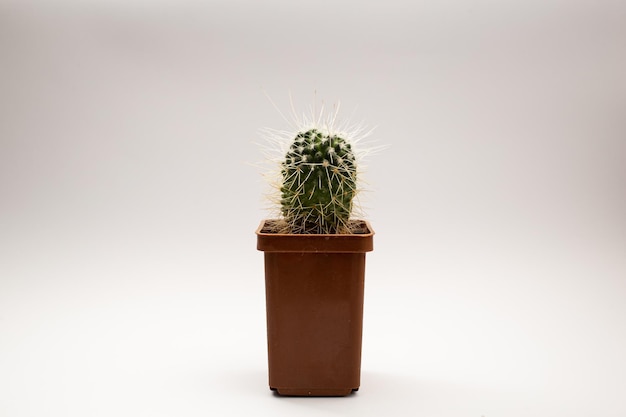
pixel 315 243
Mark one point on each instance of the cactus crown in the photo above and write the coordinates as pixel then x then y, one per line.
pixel 318 183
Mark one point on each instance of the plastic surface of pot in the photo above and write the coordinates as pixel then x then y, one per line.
pixel 314 299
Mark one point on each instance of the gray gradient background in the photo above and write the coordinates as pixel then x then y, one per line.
pixel 129 280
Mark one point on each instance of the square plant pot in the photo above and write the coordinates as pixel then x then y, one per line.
pixel 314 300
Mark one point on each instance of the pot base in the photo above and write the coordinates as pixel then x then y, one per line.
pixel 314 392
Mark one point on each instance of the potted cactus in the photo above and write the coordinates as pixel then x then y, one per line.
pixel 314 267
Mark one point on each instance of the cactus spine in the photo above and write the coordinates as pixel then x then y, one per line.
pixel 319 176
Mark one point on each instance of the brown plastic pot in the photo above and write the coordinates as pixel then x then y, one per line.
pixel 314 299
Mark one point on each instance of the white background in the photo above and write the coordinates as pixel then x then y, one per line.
pixel 129 280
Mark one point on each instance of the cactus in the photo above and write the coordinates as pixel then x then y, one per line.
pixel 318 183
pixel 312 172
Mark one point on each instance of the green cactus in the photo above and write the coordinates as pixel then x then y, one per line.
pixel 318 183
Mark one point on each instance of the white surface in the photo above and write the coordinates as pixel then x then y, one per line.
pixel 129 280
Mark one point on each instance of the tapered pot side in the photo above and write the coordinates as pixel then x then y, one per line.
pixel 314 302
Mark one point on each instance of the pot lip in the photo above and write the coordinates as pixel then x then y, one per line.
pixel 316 243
